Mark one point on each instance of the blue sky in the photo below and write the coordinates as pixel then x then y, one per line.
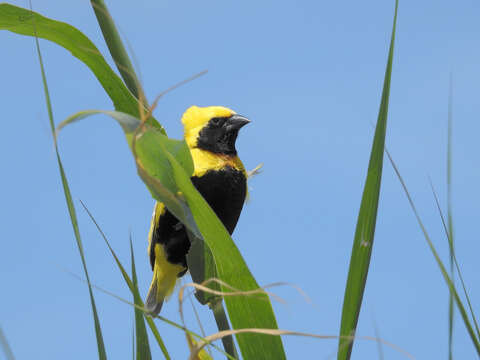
pixel 309 74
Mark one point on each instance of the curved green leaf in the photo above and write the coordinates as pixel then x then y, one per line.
pixel 143 347
pixel 152 164
pixel 20 21
pixel 131 286
pixel 128 122
pixel 244 312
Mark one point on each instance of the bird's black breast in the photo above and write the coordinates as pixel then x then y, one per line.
pixel 225 192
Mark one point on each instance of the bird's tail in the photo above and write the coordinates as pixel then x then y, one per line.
pixel 163 281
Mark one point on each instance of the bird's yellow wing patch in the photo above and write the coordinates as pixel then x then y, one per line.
pixel 158 210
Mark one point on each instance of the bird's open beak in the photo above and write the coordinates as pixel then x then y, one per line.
pixel 235 122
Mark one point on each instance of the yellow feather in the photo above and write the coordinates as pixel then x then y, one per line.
pixel 206 160
pixel 158 210
pixel 165 273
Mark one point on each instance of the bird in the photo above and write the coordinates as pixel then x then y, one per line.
pixel 219 175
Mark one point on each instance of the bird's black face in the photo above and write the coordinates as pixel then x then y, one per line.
pixel 220 134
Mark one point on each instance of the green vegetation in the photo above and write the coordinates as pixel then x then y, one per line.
pixel 165 166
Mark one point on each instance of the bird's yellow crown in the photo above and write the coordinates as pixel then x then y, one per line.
pixel 195 118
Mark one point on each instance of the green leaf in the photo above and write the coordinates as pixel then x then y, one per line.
pixel 115 46
pixel 244 312
pixel 152 164
pixel 459 272
pixel 365 230
pixel 451 286
pixel 201 264
pixel 143 348
pixel 202 267
pixel 223 325
pixel 20 21
pixel 71 208
pixel 130 285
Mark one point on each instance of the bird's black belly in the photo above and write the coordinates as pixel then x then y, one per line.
pixel 225 192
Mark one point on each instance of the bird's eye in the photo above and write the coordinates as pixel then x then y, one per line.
pixel 217 121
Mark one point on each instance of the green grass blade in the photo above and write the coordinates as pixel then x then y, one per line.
pixel 365 230
pixel 143 348
pixel 115 45
pixel 457 267
pixel 20 21
pixel 451 234
pixel 130 285
pixel 71 209
pixel 161 318
pixel 448 280
pixel 222 324
pixel 6 346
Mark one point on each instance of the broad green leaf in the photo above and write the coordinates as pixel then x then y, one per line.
pixel 365 230
pixel 151 147
pixel 71 208
pixel 143 348
pixel 20 21
pixel 244 311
